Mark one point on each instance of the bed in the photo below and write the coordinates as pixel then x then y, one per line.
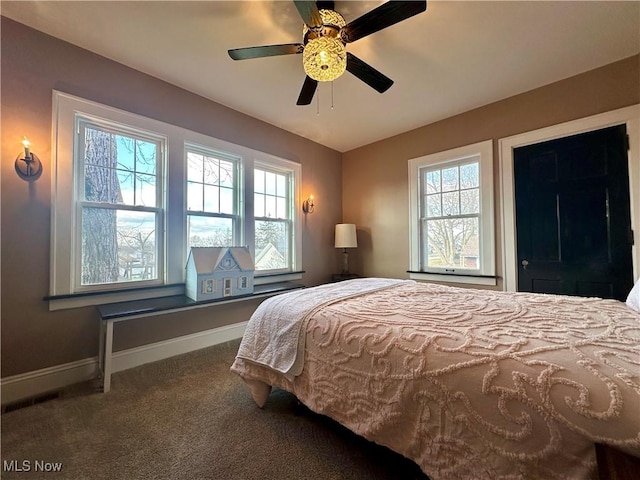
pixel 467 383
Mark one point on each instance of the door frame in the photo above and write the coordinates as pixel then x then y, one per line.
pixel 628 115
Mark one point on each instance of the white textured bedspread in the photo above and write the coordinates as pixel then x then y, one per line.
pixel 470 384
pixel 274 338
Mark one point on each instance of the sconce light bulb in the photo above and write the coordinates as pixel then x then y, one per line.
pixel 26 144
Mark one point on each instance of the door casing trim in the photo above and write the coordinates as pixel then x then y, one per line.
pixel 628 115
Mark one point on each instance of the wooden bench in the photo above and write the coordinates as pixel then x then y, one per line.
pixel 130 310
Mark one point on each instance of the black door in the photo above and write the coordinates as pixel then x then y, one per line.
pixel 573 216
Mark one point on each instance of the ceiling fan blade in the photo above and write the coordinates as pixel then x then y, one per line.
pixel 308 10
pixel 368 74
pixel 381 17
pixel 308 91
pixel 266 51
pixel 328 5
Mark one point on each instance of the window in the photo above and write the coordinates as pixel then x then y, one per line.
pixel 212 198
pixel 273 224
pixel 131 195
pixel 452 229
pixel 120 210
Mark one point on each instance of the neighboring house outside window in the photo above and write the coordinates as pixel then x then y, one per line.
pixel 273 214
pixel 121 219
pixel 451 208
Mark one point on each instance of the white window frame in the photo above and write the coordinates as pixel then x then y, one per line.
pixel 292 172
pixel 486 275
pixel 237 216
pixel 62 291
pixel 81 203
pixel 67 111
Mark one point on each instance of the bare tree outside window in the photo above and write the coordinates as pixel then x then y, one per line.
pixel 119 210
pixel 450 220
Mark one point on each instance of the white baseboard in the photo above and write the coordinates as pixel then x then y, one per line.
pixel 153 352
pixel 31 384
pixel 38 382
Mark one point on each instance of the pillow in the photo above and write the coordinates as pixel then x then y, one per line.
pixel 633 300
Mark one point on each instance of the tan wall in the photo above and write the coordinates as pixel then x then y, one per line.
pixel 33 64
pixel 375 177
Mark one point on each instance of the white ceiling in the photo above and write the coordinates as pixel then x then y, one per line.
pixel 454 57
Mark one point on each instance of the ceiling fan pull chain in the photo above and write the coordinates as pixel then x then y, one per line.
pixel 318 103
pixel 332 95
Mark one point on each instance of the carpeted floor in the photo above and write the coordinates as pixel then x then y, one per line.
pixel 187 417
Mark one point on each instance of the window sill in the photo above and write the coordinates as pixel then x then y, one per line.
pixel 487 280
pixel 63 302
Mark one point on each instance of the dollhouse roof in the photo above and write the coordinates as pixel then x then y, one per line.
pixel 207 259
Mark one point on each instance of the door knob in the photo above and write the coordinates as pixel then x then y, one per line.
pixel 524 264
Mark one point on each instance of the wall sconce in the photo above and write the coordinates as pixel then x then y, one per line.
pixel 308 206
pixel 28 167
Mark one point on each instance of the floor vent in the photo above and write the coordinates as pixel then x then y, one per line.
pixel 30 401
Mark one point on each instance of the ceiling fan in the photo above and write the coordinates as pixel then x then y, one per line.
pixel 325 35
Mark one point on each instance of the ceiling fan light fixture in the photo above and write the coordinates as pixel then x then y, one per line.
pixel 324 58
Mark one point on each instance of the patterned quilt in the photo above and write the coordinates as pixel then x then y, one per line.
pixel 470 384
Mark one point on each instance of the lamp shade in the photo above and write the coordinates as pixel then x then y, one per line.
pixel 346 235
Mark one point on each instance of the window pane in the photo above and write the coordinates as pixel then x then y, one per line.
pixel 449 179
pixel 195 196
pixel 469 175
pixel 432 182
pixel 451 203
pixel 117 246
pixel 101 185
pixel 145 157
pixel 226 173
pixel 270 183
pixel 195 172
pixel 258 180
pixel 211 171
pixel 146 190
pixel 281 207
pixel 100 158
pixel 270 207
pixel 272 244
pixel 470 201
pixel 452 243
pixel 281 185
pixel 226 201
pixel 434 207
pixel 258 205
pixel 123 190
pixel 125 152
pixel 211 199
pixel 209 231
